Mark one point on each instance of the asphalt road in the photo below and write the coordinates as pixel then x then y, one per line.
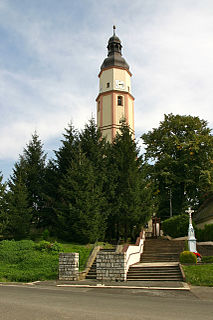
pixel 44 303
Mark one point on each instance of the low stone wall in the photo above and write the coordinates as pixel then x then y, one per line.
pixel 133 252
pixel 111 266
pixel 68 266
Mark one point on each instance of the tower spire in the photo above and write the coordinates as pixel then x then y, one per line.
pixel 114 57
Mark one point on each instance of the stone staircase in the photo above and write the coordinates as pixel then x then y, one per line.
pixel 160 250
pixel 159 262
pixel 92 272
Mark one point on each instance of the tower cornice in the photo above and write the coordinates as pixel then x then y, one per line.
pixel 115 91
pixel 114 67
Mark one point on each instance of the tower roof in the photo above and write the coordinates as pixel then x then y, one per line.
pixel 114 57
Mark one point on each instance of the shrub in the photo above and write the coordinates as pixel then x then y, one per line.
pixel 205 234
pixel 188 257
pixel 208 259
pixel 46 234
pixel 42 245
pixel 48 246
pixel 57 247
pixel 176 226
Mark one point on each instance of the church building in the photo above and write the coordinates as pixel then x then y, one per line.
pixel 115 102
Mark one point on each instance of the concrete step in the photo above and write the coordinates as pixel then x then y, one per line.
pixel 156 279
pixel 154 276
pixel 159 260
pixel 90 277
pixel 161 255
pixel 135 274
pixel 154 269
pixel 158 252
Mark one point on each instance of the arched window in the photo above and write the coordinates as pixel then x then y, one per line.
pixel 120 101
pixel 99 106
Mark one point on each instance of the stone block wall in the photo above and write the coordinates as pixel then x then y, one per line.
pixel 68 266
pixel 111 266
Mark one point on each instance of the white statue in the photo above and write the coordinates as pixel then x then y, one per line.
pixel 191 233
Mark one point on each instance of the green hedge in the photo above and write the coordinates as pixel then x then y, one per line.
pixel 176 226
pixel 188 257
pixel 207 259
pixel 205 234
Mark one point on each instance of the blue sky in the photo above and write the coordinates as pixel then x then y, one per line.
pixel 51 52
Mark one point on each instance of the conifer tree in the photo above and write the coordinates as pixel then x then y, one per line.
pixel 66 152
pixel 54 175
pixel 130 192
pixel 93 145
pixel 82 216
pixel 35 158
pixel 19 210
pixel 3 205
pixel 81 203
pixel 29 172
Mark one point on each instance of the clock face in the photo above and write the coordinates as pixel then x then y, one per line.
pixel 119 84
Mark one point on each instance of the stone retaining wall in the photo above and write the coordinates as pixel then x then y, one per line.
pixel 111 266
pixel 68 266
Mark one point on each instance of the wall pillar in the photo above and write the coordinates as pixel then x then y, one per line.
pixel 111 266
pixel 68 266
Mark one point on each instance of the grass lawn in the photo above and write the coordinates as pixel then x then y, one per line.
pixel 27 261
pixel 199 275
pixel 83 250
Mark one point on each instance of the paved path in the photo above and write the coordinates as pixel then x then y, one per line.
pixel 46 301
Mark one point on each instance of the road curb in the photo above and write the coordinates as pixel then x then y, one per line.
pixel 101 286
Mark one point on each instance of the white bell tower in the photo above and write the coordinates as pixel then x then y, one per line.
pixel 115 101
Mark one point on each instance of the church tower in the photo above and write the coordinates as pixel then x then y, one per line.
pixel 115 101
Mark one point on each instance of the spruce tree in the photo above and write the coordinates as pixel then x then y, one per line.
pixel 54 176
pixel 29 172
pixel 80 198
pixel 130 193
pixel 82 216
pixel 19 210
pixel 3 205
pixel 66 153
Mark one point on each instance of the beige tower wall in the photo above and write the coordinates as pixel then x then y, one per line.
pixel 107 133
pixel 131 114
pixel 120 111
pixel 98 114
pixel 114 82
pixel 106 77
pixel 107 110
pixel 110 76
pixel 124 76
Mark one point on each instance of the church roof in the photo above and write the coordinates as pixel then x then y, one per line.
pixel 114 57
pixel 205 212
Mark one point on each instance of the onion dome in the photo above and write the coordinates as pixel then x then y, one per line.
pixel 114 54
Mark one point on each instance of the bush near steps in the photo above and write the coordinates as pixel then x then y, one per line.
pixel 188 257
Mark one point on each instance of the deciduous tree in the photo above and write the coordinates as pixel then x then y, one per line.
pixel 180 150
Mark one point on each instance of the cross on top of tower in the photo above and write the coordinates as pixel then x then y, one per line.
pixel 114 27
